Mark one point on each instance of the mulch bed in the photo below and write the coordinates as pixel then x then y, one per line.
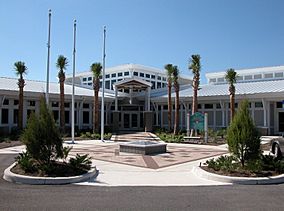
pixel 243 173
pixel 61 170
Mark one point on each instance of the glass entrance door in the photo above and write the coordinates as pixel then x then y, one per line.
pixel 130 120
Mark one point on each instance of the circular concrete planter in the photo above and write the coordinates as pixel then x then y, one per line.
pixel 238 180
pixel 23 179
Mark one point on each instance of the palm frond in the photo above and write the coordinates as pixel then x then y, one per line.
pixel 20 68
pixel 96 69
pixel 231 76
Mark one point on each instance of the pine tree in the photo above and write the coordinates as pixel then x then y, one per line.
pixel 42 137
pixel 242 136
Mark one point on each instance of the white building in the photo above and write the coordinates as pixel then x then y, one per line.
pixel 136 98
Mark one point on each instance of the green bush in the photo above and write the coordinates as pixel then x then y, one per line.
pixel 96 136
pixel 170 137
pixel 81 162
pixel 26 162
pixel 242 136
pixel 223 163
pixel 42 137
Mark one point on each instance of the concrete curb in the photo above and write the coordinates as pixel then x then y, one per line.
pixel 238 180
pixel 17 178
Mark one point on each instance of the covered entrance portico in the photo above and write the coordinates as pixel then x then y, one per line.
pixel 132 106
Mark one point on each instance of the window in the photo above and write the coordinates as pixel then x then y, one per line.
pixel 112 82
pixel 153 76
pixel 159 78
pixel 164 85
pixel 16 102
pixel 268 75
pixel 90 84
pixel 258 76
pixel 16 116
pixel 208 106
pixel 135 73
pixel 86 118
pixel 212 80
pixel 90 78
pixel 239 78
pixel 67 119
pixel 32 103
pixel 279 105
pixel 113 75
pixel 258 105
pixel 153 84
pixel 66 105
pixel 159 85
pixel 107 85
pixel 165 107
pixel 120 79
pixel 54 104
pixel 119 74
pixel 126 73
pixel 147 75
pixel 141 74
pixel 199 106
pixel 164 79
pixel 278 75
pixel 56 116
pixel 248 77
pixel 86 105
pixel 5 116
pixel 29 112
pixel 107 75
pixel 84 79
pixel 220 79
pixel 218 105
pixel 6 102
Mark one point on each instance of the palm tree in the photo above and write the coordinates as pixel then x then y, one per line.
pixel 169 69
pixel 231 78
pixel 176 86
pixel 195 67
pixel 96 69
pixel 61 64
pixel 20 69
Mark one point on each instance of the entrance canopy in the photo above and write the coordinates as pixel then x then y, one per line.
pixel 132 83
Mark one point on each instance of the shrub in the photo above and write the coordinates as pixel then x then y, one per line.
pixel 66 151
pixel 242 137
pixel 81 162
pixel 26 162
pixel 223 163
pixel 42 137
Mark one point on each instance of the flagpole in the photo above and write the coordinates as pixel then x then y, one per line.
pixel 73 88
pixel 48 58
pixel 103 93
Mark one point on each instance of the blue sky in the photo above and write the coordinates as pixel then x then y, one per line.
pixel 226 33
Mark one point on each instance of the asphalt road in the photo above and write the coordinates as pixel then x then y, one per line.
pixel 76 197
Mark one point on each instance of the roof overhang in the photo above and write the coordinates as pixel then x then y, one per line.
pixel 134 83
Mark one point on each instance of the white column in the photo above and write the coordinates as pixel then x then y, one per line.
pixel 116 100
pixel 130 95
pixel 162 114
pixel 264 113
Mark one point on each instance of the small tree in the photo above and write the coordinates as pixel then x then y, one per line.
pixel 242 136
pixel 42 137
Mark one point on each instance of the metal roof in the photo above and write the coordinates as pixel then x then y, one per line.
pixel 269 88
pixel 11 84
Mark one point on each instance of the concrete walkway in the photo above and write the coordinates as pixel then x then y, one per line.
pixel 128 174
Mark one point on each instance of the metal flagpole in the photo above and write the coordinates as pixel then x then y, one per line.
pixel 103 94
pixel 73 88
pixel 48 58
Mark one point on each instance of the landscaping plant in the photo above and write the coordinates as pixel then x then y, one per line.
pixel 242 136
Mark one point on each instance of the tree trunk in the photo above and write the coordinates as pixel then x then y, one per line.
pixel 94 112
pixel 176 126
pixel 62 107
pixel 21 85
pixel 169 107
pixel 232 106
pixel 96 103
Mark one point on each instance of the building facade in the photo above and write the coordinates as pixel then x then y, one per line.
pixel 136 99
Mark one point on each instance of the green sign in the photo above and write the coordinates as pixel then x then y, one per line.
pixel 197 121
